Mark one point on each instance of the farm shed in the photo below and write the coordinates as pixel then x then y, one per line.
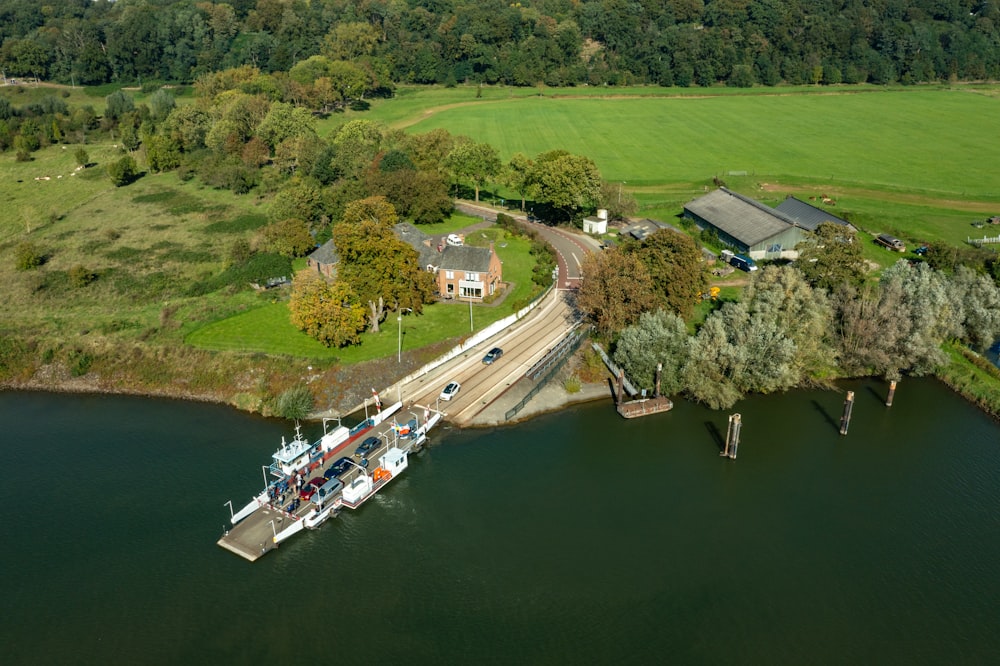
pixel 748 226
pixel 806 215
pixel 324 259
pixel 639 230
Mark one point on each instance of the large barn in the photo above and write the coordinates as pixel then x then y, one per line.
pixel 748 226
pixel 806 215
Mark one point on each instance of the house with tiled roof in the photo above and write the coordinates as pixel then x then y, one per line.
pixel 748 226
pixel 469 273
pixel 429 256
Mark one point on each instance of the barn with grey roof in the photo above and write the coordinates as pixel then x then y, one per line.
pixel 749 226
pixel 806 215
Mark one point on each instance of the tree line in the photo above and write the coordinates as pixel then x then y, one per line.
pixel 532 42
pixel 794 325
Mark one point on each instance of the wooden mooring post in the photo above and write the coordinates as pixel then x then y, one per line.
pixel 732 436
pixel 845 420
pixel 892 392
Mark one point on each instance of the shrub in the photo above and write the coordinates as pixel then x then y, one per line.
pixel 295 403
pixel 81 276
pixel 123 171
pixel 79 362
pixel 572 384
pixel 28 256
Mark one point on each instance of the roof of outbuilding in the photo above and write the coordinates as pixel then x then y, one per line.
pixel 806 215
pixel 644 227
pixel 419 241
pixel 746 220
pixel 325 254
pixel 466 258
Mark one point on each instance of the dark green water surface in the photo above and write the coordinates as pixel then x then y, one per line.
pixel 576 538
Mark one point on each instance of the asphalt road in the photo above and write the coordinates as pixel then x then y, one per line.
pixel 570 247
pixel 523 344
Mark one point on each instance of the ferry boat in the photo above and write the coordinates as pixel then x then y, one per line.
pixel 282 509
pixel 297 457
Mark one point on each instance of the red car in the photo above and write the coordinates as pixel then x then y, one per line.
pixel 310 488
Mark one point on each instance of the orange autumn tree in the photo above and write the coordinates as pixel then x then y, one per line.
pixel 328 311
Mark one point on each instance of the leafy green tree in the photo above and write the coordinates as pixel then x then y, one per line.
pixel 831 256
pixel 81 156
pixel 326 311
pixel 675 267
pixel 284 121
pixel 802 314
pixel 123 171
pixel 380 268
pixel 289 238
pixel 117 104
pixel 161 104
pixel 616 290
pixel 518 175
pixel 977 298
pixel 566 182
pixel 477 162
pixel 659 338
pixel 301 199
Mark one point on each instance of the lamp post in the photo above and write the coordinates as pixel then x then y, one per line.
pixel 399 348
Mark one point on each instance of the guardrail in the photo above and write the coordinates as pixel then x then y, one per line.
pixel 615 370
pixel 567 347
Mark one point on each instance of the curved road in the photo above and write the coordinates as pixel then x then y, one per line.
pixel 570 247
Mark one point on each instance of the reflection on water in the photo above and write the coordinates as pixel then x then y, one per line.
pixel 578 537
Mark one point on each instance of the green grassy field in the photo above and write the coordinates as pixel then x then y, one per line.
pixel 914 162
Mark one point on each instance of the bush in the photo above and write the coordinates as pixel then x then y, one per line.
pixel 295 403
pixel 123 171
pixel 81 276
pixel 28 256
pixel 79 362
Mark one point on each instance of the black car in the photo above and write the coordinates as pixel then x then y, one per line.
pixel 338 468
pixel 492 355
pixel 366 446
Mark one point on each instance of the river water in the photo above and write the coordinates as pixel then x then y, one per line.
pixel 575 538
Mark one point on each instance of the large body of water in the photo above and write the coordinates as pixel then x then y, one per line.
pixel 575 538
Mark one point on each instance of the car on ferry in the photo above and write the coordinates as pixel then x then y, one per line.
pixel 366 446
pixel 450 391
pixel 310 488
pixel 492 355
pixel 327 490
pixel 338 468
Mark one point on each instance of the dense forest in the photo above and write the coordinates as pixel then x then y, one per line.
pixel 552 42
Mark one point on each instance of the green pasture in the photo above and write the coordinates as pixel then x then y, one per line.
pixel 268 329
pixel 926 141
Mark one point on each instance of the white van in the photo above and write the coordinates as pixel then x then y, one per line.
pixel 454 240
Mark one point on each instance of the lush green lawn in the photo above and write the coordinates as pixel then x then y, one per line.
pixel 268 329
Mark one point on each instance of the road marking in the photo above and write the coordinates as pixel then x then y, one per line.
pixel 575 258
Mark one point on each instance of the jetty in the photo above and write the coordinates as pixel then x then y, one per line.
pixel 644 406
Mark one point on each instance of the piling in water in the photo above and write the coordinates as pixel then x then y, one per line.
pixel 892 392
pixel 732 436
pixel 845 420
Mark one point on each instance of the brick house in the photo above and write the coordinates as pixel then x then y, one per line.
pixel 469 272
pixel 324 259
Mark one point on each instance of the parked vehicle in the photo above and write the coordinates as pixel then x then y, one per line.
pixel 338 468
pixel 327 490
pixel 310 488
pixel 454 240
pixel 450 390
pixel 366 446
pixel 890 242
pixel 743 262
pixel 492 355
